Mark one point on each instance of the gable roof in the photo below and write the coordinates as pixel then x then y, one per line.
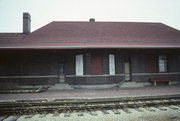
pixel 74 35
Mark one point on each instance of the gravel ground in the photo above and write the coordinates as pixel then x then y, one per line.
pixel 84 94
pixel 146 115
pixel 157 115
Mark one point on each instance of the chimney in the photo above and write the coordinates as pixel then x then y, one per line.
pixel 91 20
pixel 26 23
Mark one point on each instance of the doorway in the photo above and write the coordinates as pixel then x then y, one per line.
pixel 127 68
pixel 96 64
pixel 61 73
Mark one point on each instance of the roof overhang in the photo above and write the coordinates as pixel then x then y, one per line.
pixel 90 46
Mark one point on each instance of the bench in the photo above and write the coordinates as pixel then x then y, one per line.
pixel 154 80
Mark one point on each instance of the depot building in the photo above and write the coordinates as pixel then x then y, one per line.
pixel 83 53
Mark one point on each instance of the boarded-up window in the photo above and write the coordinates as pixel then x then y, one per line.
pixel 162 61
pixel 111 64
pixel 79 65
pixel 96 64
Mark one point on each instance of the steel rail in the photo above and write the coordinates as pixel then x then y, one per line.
pixel 44 106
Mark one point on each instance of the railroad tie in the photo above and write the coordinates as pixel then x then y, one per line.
pixel 116 111
pixel 105 111
pixel 42 115
pixel 3 117
pixel 139 110
pixel 131 102
pixel 165 101
pixel 67 114
pixel 173 100
pixel 150 109
pixel 92 112
pixel 56 113
pixel 11 118
pixel 28 116
pixel 173 107
pixel 117 105
pixel 126 110
pixel 162 108
pixel 178 106
pixel 148 102
pixel 80 114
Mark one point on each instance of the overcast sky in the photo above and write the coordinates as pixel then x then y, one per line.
pixel 45 11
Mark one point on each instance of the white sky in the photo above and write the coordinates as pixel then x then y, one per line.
pixel 45 11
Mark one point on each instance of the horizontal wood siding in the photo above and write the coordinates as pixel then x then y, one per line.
pixel 87 64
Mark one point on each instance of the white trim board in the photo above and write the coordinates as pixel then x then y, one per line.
pixel 142 74
pixel 16 77
pixel 55 76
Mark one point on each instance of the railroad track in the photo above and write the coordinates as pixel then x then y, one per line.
pixel 32 107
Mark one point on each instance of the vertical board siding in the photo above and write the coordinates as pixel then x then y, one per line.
pixel 119 64
pixel 87 64
pixel 70 65
pixel 139 63
pixel 174 63
pixel 105 64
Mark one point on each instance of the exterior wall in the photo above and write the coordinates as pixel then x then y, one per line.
pixel 33 67
pixel 174 63
pixel 139 63
pixel 119 63
pixel 94 80
pixel 145 67
pixel 87 64
pixel 41 67
pixel 105 63
pixel 146 76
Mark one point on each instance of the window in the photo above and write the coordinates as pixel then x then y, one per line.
pixel 111 64
pixel 162 63
pixel 79 65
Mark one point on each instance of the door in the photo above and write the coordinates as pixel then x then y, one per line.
pixel 127 69
pixel 96 64
pixel 61 73
pixel 152 64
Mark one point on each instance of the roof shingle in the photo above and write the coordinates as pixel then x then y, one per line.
pixel 72 35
